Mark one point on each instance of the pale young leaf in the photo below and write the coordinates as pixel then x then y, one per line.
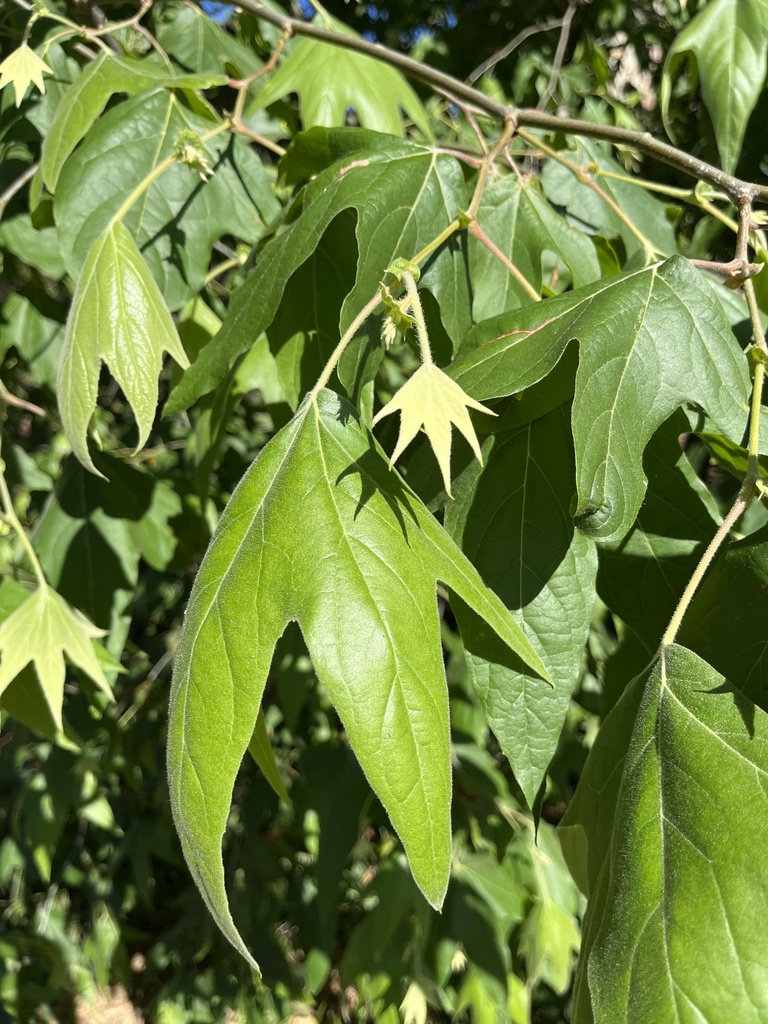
pixel 23 67
pixel 432 400
pixel 42 631
pixel 118 316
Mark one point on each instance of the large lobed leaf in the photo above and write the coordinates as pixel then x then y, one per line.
pixel 667 834
pixel 320 532
pixel 649 341
pixel 404 196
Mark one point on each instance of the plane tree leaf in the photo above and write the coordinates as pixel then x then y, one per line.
pixel 179 217
pixel 362 589
pixel 651 219
pixel 329 80
pixel 117 317
pixel 726 44
pixel 658 835
pixel 522 223
pixel 649 341
pixel 42 631
pixel 89 94
pixel 404 195
pixel 511 518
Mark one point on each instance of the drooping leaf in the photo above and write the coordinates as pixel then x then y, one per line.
pixel 87 98
pixel 199 44
pixel 642 576
pixel 673 866
pixel 520 221
pixel 368 615
pixel 117 317
pixel 649 341
pixel 43 630
pixel 179 217
pixel 330 79
pixel 404 195
pixel 726 42
pixel 724 622
pixel 512 520
pixel 651 218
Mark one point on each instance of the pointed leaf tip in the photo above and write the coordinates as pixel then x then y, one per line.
pixel 119 317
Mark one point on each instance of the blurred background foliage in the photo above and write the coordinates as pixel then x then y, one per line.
pixel 94 893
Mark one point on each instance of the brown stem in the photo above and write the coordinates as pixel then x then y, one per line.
pixel 740 191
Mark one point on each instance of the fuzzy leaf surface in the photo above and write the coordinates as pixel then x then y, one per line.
pixel 404 195
pixel 511 518
pixel 649 341
pixel 727 41
pixel 362 588
pixel 673 866
pixel 117 317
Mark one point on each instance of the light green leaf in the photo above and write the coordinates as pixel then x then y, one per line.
pixel 642 576
pixel 422 192
pixel 197 42
pixel 41 631
pixel 726 42
pixel 23 68
pixel 178 218
pixel 368 615
pixel 652 218
pixel 117 317
pixel 88 96
pixel 674 866
pixel 330 79
pixel 649 341
pixel 522 223
pixel 261 751
pixel 512 521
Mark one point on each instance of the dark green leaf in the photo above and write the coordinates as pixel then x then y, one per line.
pixel 512 520
pixel 405 195
pixel 649 341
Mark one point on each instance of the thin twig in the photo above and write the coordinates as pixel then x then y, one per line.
pixel 16 186
pixel 557 63
pixel 477 232
pixel 505 51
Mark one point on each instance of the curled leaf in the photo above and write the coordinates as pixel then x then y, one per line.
pixel 430 399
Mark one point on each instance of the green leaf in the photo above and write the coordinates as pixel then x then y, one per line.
pixel 520 221
pixel 261 751
pixel 368 615
pixel 512 520
pixel 421 191
pixel 330 79
pixel 642 576
pixel 117 317
pixel 724 622
pixel 726 42
pixel 197 42
pixel 88 96
pixel 41 631
pixel 651 218
pixel 674 865
pixel 177 220
pixel 32 323
pixel 649 341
